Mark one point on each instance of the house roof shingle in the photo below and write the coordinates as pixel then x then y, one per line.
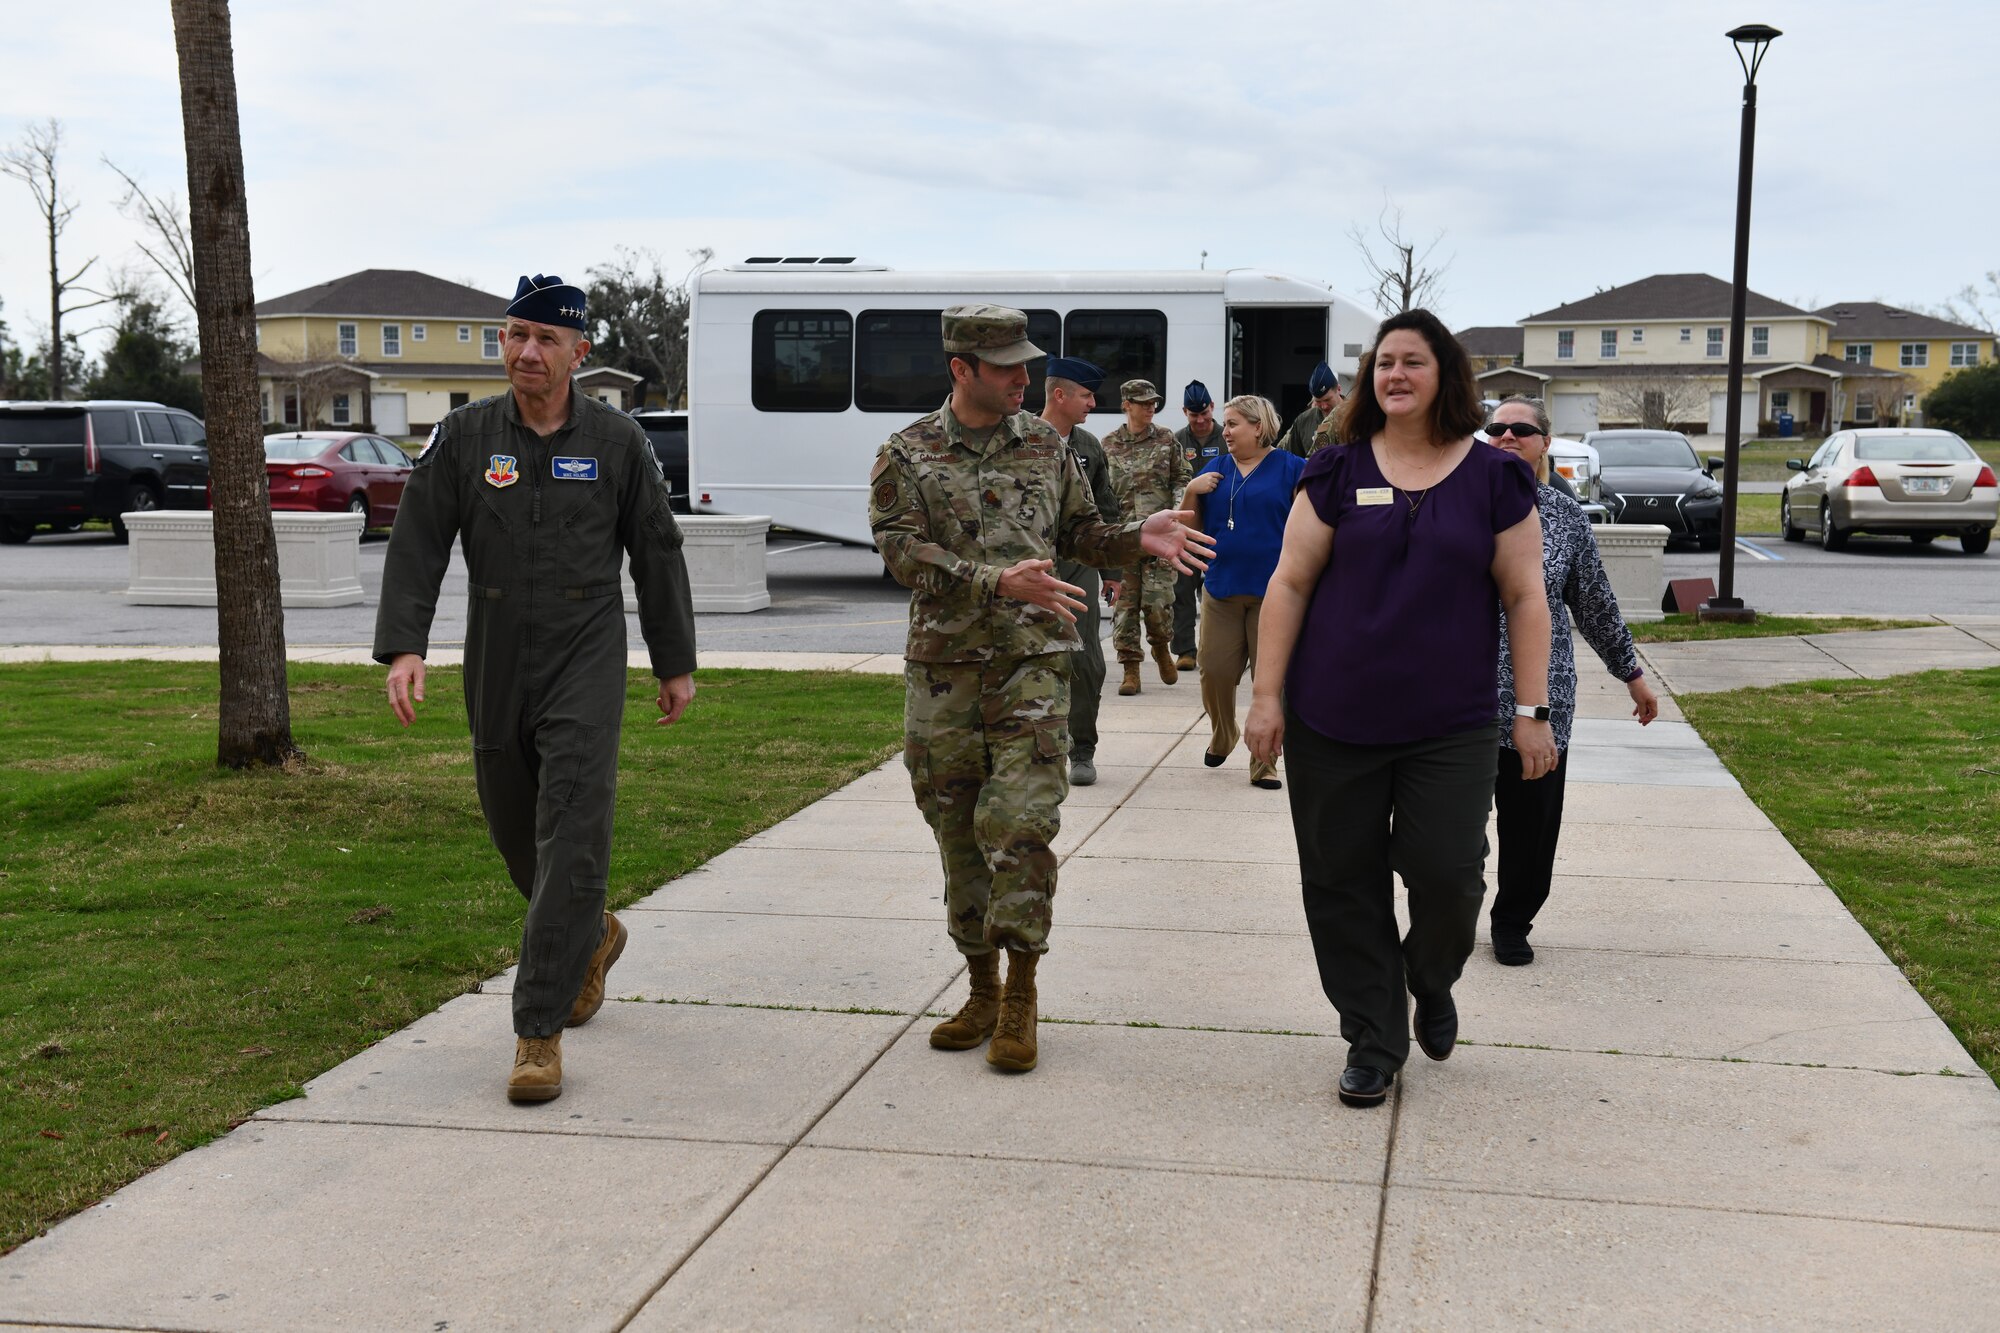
pixel 1491 340
pixel 1665 296
pixel 1872 319
pixel 388 291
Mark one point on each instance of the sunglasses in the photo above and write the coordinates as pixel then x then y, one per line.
pixel 1522 430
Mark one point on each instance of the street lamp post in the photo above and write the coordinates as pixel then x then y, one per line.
pixel 1752 41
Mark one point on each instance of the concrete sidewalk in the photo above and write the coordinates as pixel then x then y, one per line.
pixel 1710 1103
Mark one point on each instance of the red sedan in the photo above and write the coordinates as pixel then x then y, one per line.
pixel 327 471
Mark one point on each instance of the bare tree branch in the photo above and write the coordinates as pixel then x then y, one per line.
pixel 171 252
pixel 34 162
pixel 1403 277
pixel 1660 401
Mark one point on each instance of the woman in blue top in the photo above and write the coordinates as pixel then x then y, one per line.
pixel 1245 496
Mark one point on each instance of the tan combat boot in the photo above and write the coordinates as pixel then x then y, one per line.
pixel 1163 657
pixel 1013 1045
pixel 591 998
pixel 537 1075
pixel 1131 685
pixel 973 1023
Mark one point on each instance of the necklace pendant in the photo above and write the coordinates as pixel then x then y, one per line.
pixel 1232 525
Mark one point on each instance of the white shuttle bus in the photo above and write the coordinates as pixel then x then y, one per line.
pixel 799 369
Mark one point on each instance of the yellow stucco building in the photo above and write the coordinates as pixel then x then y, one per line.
pixel 1924 349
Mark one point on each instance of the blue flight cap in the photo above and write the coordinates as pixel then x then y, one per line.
pixel 1195 397
pixel 1322 380
pixel 549 300
pixel 1077 371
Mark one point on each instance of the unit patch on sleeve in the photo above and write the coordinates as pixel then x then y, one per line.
pixel 501 470
pixel 576 469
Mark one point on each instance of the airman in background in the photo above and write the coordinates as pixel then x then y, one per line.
pixel 1305 434
pixel 971 506
pixel 1200 441
pixel 1071 386
pixel 1148 472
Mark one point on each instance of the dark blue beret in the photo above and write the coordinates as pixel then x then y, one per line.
pixel 1321 380
pixel 549 300
pixel 1077 371
pixel 1195 397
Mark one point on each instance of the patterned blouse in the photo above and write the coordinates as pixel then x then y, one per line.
pixel 1576 581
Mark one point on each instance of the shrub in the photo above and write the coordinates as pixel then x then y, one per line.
pixel 1968 401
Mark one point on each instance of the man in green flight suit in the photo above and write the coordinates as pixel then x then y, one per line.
pixel 1070 392
pixel 1309 429
pixel 545 488
pixel 1149 472
pixel 971 506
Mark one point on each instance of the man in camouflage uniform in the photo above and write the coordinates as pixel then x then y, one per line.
pixel 1312 428
pixel 1200 442
pixel 1071 386
pixel 970 506
pixel 1148 472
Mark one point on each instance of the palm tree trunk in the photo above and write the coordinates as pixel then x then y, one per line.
pixel 255 726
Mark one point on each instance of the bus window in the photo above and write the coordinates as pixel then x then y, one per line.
pixel 1128 344
pixel 1045 332
pixel 899 360
pixel 801 360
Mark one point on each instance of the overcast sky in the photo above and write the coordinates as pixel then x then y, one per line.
pixel 1559 147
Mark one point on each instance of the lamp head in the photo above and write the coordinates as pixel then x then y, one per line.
pixel 1752 41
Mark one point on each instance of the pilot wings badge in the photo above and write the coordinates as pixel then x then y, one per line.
pixel 575 469
pixel 501 470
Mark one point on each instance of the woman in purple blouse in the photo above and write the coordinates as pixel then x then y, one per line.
pixel 1375 679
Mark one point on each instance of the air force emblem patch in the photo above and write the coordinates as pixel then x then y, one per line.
pixel 576 469
pixel 501 470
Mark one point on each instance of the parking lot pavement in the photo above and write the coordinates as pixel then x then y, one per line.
pixel 1711 1101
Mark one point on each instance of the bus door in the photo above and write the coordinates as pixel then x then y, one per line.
pixel 1272 352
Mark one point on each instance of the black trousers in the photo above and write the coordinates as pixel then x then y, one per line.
pixel 1363 814
pixel 1530 816
pixel 1187 604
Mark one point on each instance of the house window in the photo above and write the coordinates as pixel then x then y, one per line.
pixel 465 333
pixel 291 407
pixel 350 340
pixel 1687 335
pixel 490 343
pixel 1965 354
pixel 1607 344
pixel 341 415
pixel 459 400
pixel 1909 402
pixel 1861 354
pixel 1760 340
pixel 1916 354
pixel 1864 408
pixel 1781 401
pixel 1638 337
pixel 416 333
pixel 392 340
pixel 1565 344
pixel 1714 341
pixel 264 404
pixel 801 360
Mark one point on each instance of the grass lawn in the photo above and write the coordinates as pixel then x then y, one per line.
pixel 1679 628
pixel 1891 789
pixel 180 946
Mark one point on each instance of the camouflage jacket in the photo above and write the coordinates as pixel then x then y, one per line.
pixel 1148 471
pixel 950 517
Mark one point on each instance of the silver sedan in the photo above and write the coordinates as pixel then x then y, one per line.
pixel 1920 484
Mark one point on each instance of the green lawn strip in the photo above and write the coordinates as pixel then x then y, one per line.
pixel 180 946
pixel 1891 790
pixel 1680 629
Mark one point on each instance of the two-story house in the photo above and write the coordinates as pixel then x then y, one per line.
pixel 1656 353
pixel 1924 348
pixel 1492 346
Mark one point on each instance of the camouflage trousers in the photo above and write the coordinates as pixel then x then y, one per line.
pixel 1148 590
pixel 987 746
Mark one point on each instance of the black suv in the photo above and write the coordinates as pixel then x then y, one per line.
pixel 667 432
pixel 63 464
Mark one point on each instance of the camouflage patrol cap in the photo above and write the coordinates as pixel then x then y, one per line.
pixel 993 333
pixel 1138 391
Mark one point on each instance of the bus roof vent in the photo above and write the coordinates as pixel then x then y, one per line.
pixel 767 263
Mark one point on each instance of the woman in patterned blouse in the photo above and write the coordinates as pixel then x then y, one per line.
pixel 1529 814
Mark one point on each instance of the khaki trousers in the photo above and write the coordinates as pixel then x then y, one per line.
pixel 1228 647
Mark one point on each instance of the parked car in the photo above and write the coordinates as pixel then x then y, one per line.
pixel 64 464
pixel 1920 484
pixel 1654 476
pixel 328 471
pixel 667 432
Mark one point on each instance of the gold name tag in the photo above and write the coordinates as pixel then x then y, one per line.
pixel 1374 495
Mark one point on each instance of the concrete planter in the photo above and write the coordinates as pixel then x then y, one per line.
pixel 1634 556
pixel 725 561
pixel 173 558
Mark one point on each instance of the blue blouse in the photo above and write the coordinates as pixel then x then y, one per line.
pixel 1246 555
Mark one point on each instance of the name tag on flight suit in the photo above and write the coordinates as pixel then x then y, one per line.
pixel 1374 495
pixel 575 469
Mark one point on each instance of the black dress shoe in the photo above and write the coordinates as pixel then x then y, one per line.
pixel 1363 1086
pixel 1512 950
pixel 1437 1025
pixel 1213 760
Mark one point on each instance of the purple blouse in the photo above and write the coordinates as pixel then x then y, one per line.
pixel 1403 628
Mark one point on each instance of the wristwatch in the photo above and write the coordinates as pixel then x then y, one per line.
pixel 1539 712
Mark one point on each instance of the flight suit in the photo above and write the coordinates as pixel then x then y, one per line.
pixel 1149 474
pixel 986 684
pixel 1187 587
pixel 543 524
pixel 1086 666
pixel 1299 438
